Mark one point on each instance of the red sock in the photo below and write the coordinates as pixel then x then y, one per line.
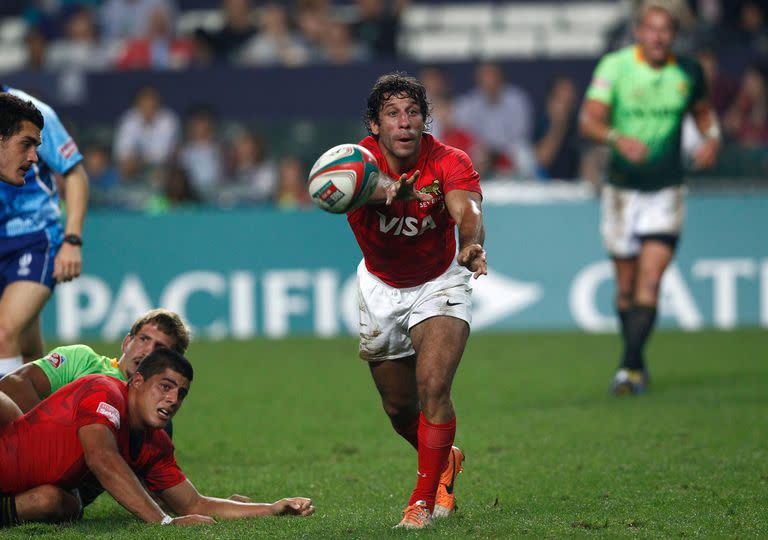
pixel 435 441
pixel 409 431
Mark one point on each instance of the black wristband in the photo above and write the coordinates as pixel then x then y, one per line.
pixel 73 239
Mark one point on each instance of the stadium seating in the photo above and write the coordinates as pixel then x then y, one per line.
pixel 509 30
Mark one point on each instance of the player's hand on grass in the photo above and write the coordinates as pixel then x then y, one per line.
pixel 240 498
pixel 633 150
pixel 403 189
pixel 473 256
pixel 68 263
pixel 193 519
pixel 706 155
pixel 293 506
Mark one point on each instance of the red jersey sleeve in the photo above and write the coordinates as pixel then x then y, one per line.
pixel 459 172
pixel 100 403
pixel 159 468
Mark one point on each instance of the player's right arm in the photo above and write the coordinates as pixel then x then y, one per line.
pixel 595 117
pixel 105 462
pixel 69 261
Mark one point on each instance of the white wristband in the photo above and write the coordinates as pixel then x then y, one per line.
pixel 167 520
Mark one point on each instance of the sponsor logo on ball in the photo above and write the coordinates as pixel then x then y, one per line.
pixel 329 194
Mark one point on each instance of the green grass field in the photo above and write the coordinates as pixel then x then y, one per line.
pixel 549 452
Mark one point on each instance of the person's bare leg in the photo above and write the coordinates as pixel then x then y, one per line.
pixel 31 341
pixel 653 260
pixel 439 343
pixel 20 305
pixel 47 503
pixel 396 382
pixel 625 271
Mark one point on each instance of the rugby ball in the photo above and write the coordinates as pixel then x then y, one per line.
pixel 343 178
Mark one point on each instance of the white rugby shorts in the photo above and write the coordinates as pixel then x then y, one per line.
pixel 628 215
pixel 387 313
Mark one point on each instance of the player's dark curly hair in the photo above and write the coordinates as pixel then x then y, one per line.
pixel 164 358
pixel 400 85
pixel 13 111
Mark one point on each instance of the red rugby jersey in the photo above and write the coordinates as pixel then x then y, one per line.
pixel 42 447
pixel 410 242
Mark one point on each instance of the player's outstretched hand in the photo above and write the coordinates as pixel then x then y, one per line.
pixel 239 498
pixel 293 506
pixel 706 155
pixel 403 189
pixel 193 519
pixel 633 150
pixel 473 256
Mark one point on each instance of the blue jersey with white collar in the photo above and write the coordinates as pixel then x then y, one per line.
pixel 35 206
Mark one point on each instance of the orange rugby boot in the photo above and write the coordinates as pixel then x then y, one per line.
pixel 415 516
pixel 445 500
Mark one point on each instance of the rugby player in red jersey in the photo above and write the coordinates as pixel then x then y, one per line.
pixel 100 427
pixel 415 305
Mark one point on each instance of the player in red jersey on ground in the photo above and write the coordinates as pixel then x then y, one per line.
pixel 415 305
pixel 100 427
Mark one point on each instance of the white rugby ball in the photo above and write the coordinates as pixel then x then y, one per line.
pixel 343 178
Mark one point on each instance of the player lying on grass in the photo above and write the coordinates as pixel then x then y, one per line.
pixel 33 382
pixel 104 429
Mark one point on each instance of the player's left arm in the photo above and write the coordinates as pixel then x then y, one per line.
pixel 465 208
pixel 706 121
pixel 184 499
pixel 69 261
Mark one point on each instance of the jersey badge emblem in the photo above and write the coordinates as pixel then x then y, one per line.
pixel 56 359
pixel 110 412
pixel 68 149
pixel 433 188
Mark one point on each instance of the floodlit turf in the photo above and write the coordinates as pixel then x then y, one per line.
pixel 549 452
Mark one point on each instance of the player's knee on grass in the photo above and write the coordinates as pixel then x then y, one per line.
pixel 47 503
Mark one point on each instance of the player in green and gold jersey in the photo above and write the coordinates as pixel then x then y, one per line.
pixel 636 104
pixel 33 382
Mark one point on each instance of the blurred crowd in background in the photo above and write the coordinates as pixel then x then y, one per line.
pixel 154 157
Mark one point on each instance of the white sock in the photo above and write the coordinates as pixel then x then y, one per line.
pixel 9 364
